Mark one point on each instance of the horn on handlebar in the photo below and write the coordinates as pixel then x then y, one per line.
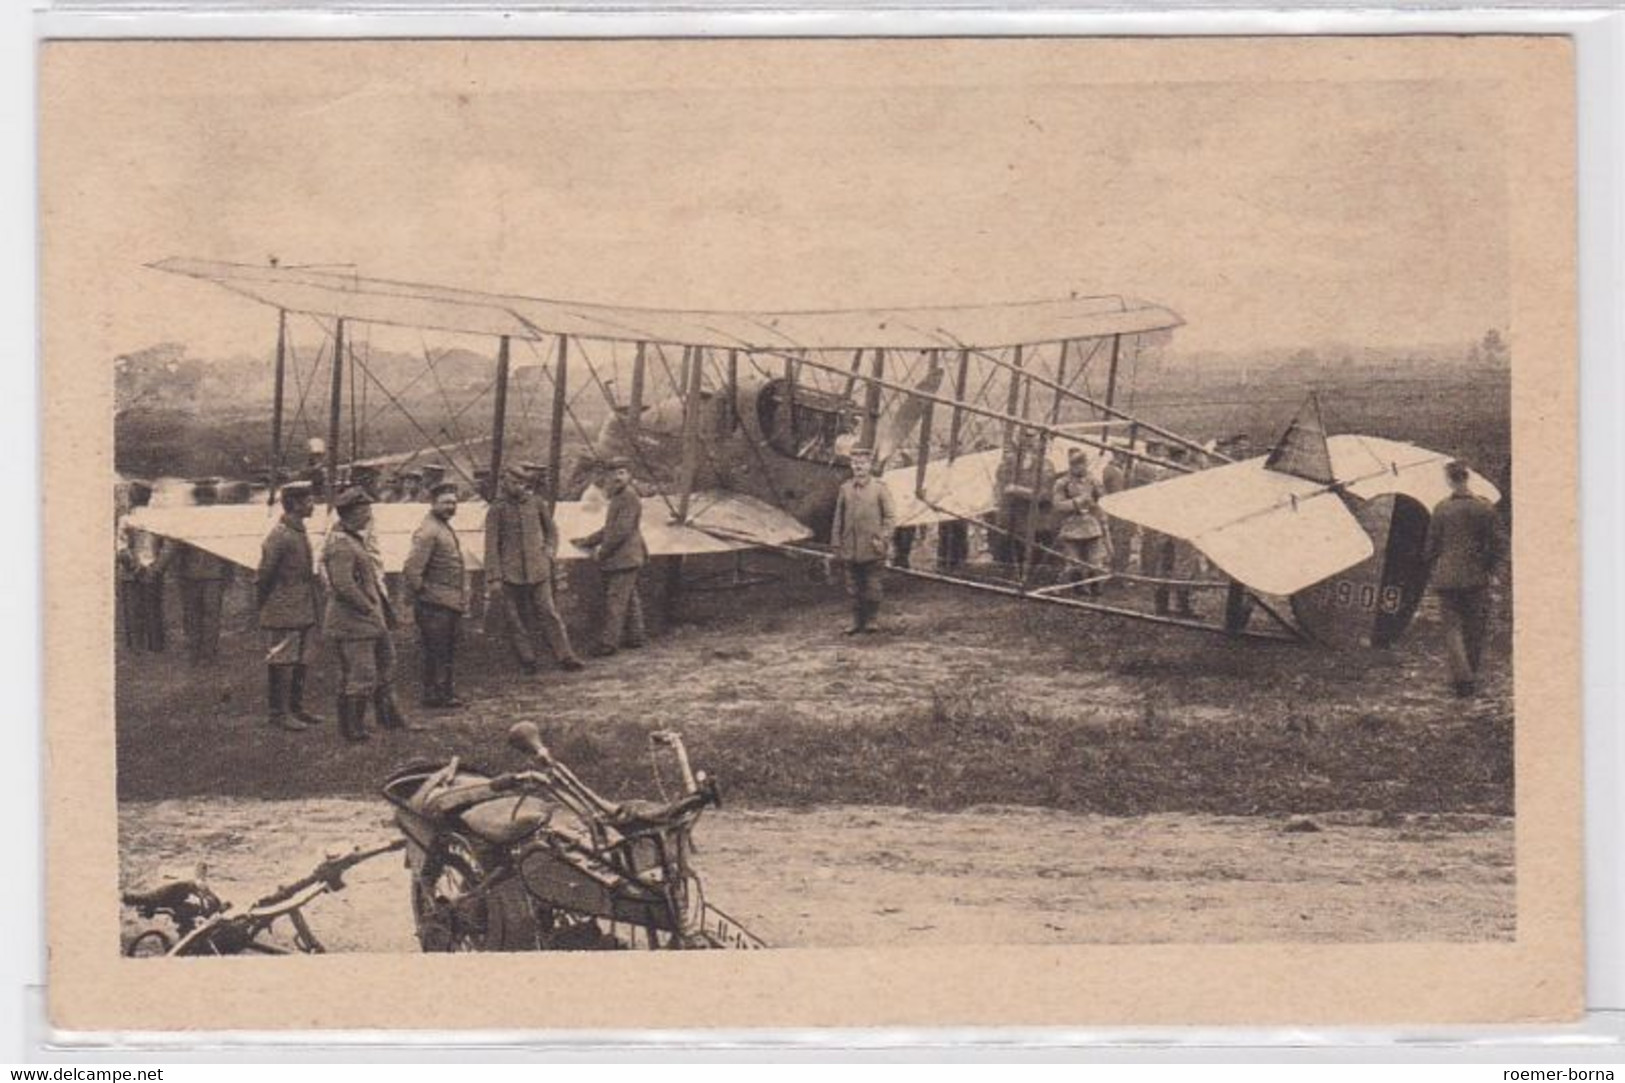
pixel 525 737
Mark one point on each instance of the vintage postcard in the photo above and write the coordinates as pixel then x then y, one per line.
pixel 810 532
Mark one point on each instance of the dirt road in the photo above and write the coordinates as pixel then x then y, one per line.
pixel 836 877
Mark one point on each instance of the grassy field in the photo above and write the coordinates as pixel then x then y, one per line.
pixel 966 700
pixel 963 701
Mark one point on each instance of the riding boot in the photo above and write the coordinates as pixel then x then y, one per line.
pixel 871 612
pixel 448 688
pixel 860 617
pixel 353 717
pixel 389 715
pixel 277 692
pixel 296 698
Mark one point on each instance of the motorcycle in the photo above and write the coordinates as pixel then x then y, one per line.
pixel 535 860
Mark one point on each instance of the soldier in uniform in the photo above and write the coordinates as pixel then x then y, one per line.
pixel 202 578
pixel 409 487
pixel 620 553
pixel 434 574
pixel 521 541
pixel 285 589
pixel 140 582
pixel 359 619
pixel 864 520
pixel 1179 558
pixel 1080 533
pixel 1119 534
pixel 1464 545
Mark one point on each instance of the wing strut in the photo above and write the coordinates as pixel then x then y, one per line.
pixel 276 407
pixel 694 369
pixel 499 419
pixel 923 458
pixel 555 436
pixel 871 403
pixel 1060 379
pixel 335 413
pixel 733 390
pixel 634 406
pixel 956 421
pixel 1013 399
pixel 1111 374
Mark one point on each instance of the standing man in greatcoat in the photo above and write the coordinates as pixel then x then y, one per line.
pixel 359 619
pixel 286 592
pixel 521 542
pixel 434 574
pixel 864 520
pixel 1464 545
pixel 620 553
pixel 1076 501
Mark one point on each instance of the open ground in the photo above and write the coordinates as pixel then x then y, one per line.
pixel 985 770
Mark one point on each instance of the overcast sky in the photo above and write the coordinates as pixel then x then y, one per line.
pixel 1267 213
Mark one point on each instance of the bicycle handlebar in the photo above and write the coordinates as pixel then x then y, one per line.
pixel 329 873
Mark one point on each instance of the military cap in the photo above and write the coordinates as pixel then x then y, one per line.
pixel 861 453
pixel 443 487
pixel 1074 454
pixel 353 497
pixel 514 470
pixel 410 473
pixel 1456 470
pixel 297 488
pixel 433 473
pixel 619 462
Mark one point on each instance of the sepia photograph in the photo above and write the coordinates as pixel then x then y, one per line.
pixel 906 508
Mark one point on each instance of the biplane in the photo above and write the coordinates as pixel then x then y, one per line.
pixel 738 424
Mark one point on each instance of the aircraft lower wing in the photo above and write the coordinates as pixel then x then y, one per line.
pixel 1274 532
pixel 1370 466
pixel 964 488
pixel 720 522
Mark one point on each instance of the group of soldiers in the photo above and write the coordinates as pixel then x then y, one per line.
pixel 146 562
pixel 1066 519
pixel 521 546
pixel 342 607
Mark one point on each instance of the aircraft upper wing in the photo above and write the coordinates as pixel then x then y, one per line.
pixel 1274 532
pixel 235 531
pixel 328 293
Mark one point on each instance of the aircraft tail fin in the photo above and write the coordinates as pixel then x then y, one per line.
pixel 1301 451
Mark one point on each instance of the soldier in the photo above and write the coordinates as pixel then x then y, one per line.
pixel 202 577
pixel 1179 559
pixel 1119 534
pixel 285 589
pixel 409 487
pixel 864 520
pixel 140 583
pixel 1464 545
pixel 434 574
pixel 620 552
pixel 520 543
pixel 1080 532
pixel 359 618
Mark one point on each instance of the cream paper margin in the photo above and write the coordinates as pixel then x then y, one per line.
pixel 1537 977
